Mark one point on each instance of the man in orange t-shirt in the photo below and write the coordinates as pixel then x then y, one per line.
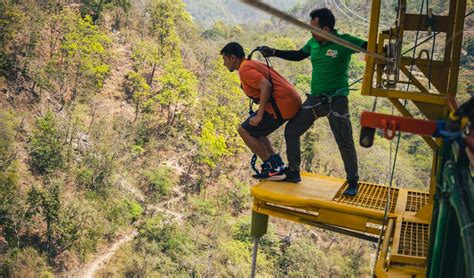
pixel 261 84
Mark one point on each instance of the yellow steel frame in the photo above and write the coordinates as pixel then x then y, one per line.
pixel 280 200
pixel 433 105
pixel 444 74
pixel 318 200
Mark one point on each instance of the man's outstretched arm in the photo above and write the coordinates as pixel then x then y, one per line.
pixel 290 55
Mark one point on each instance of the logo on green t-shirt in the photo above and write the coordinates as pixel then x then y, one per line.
pixel 331 53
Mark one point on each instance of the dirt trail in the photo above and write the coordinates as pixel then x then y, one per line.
pixel 91 269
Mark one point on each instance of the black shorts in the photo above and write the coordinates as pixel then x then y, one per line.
pixel 264 128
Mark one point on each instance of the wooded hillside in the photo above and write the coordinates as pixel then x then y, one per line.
pixel 119 118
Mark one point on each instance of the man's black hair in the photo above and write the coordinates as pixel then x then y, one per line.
pixel 326 18
pixel 233 48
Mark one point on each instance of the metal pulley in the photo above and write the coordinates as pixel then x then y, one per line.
pixel 392 68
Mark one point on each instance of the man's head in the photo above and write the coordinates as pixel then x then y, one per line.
pixel 233 55
pixel 324 19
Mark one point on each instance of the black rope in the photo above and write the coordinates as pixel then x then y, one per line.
pixel 253 161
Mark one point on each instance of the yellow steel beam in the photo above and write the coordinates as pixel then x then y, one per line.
pixel 411 95
pixel 449 32
pixel 457 45
pixel 432 112
pixel 337 219
pixel 382 263
pixel 408 259
pixel 372 47
pixel 413 22
pixel 325 206
pixel 414 80
pixel 400 271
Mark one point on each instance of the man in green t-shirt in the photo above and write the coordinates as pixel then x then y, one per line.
pixel 328 98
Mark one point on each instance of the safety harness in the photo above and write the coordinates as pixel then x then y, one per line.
pixel 270 80
pixel 327 99
pixel 253 161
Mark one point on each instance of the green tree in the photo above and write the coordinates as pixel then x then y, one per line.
pixel 211 146
pixel 11 20
pixel 61 228
pixel 11 206
pixel 178 92
pixel 20 37
pixel 138 88
pixel 162 246
pixel 97 169
pixel 25 262
pixel 218 30
pixel 165 15
pixel 92 8
pixel 222 103
pixel 147 57
pixel 80 66
pixel 95 8
pixel 125 212
pixel 46 149
pixel 47 204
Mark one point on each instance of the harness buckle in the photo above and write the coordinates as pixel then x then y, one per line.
pixel 325 99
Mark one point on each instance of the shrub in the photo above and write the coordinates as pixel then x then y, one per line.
pixel 205 207
pixel 125 211
pixel 235 198
pixel 26 262
pixel 166 236
pixel 303 258
pixel 159 182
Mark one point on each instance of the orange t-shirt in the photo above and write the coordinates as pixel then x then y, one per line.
pixel 284 94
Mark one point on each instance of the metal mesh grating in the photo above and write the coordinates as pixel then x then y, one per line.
pixel 414 239
pixel 371 196
pixel 416 200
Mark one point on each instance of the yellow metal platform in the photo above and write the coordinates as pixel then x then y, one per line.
pixel 318 201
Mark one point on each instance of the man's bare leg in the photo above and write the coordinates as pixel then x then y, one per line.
pixel 255 145
pixel 268 145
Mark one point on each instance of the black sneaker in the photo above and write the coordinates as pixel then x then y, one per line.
pixel 352 189
pixel 270 174
pixel 292 176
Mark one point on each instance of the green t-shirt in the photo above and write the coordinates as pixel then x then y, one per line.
pixel 330 63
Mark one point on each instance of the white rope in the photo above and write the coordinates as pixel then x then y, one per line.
pixel 359 16
pixel 466 227
pixel 323 34
pixel 352 11
pixel 348 16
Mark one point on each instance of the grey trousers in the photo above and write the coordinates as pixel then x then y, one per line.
pixel 312 109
